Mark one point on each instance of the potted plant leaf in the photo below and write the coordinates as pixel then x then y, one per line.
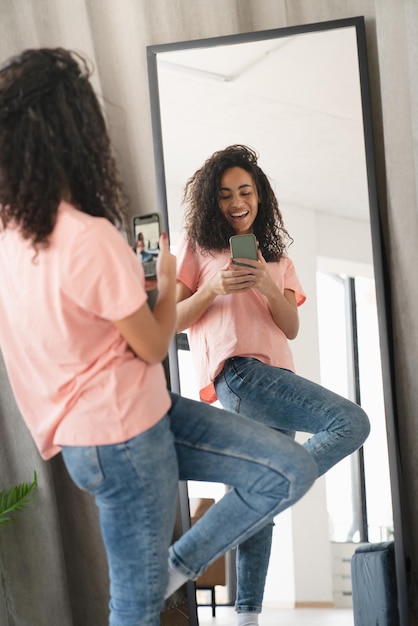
pixel 15 500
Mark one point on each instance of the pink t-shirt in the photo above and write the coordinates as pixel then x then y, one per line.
pixel 74 378
pixel 234 325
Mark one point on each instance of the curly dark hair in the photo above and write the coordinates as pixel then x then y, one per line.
pixel 205 224
pixel 54 144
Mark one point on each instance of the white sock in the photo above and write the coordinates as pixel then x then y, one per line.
pixel 175 580
pixel 247 619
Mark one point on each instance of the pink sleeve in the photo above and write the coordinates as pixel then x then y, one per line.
pixel 291 281
pixel 187 265
pixel 104 275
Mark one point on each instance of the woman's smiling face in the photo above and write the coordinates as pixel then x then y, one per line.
pixel 238 199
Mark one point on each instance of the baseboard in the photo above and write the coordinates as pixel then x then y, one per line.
pixel 314 605
pixel 299 605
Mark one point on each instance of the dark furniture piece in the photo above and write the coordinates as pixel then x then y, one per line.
pixel 373 576
pixel 216 572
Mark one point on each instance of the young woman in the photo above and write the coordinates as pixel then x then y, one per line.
pixel 240 319
pixel 83 349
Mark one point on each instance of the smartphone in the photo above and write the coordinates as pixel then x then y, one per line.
pixel 147 231
pixel 243 247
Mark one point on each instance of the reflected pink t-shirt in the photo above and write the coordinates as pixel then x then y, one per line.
pixel 234 325
pixel 74 378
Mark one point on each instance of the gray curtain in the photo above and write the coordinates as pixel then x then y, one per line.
pixel 53 555
pixel 397 42
pixel 51 563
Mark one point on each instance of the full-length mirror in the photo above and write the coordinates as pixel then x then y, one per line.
pixel 298 97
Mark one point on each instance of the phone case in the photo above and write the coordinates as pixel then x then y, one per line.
pixel 243 247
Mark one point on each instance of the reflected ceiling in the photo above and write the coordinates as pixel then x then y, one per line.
pixel 296 100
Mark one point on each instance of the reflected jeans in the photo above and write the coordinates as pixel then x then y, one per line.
pixel 135 487
pixel 281 400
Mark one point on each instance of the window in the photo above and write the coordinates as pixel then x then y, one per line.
pixel 358 488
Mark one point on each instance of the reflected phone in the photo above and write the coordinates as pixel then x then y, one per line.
pixel 243 247
pixel 147 231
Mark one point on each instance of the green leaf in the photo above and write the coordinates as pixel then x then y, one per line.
pixel 16 500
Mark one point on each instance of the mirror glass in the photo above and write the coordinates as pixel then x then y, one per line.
pixel 297 96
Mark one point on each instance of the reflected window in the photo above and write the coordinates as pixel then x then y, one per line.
pixel 358 488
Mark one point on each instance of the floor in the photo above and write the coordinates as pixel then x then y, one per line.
pixel 225 616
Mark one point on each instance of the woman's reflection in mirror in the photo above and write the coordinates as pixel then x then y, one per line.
pixel 240 320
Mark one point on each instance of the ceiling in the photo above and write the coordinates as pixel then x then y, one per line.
pixel 295 99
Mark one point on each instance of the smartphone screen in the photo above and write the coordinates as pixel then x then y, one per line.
pixel 147 230
pixel 243 247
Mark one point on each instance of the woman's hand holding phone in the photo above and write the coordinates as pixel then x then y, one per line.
pixel 231 278
pixel 166 265
pixel 149 330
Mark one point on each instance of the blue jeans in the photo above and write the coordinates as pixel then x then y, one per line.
pixel 135 487
pixel 286 402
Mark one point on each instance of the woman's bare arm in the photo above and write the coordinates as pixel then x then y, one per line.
pixel 147 332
